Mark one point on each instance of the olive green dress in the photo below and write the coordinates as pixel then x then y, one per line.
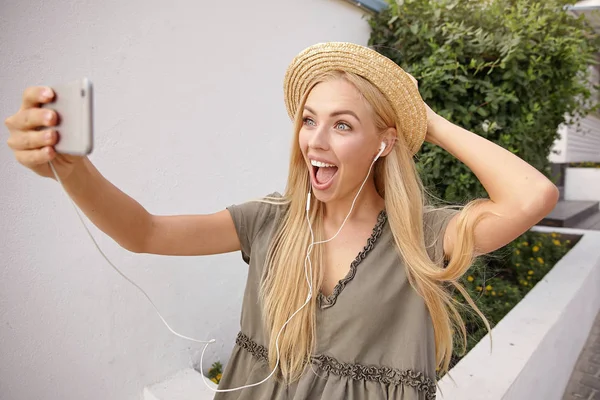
pixel 374 333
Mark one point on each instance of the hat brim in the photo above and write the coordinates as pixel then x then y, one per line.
pixel 395 84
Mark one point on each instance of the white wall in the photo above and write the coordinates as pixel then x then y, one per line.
pixel 580 142
pixel 190 118
pixel 583 142
pixel 582 184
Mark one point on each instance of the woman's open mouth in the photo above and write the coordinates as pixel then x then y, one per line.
pixel 322 174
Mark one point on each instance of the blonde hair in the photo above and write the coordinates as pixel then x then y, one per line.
pixel 284 288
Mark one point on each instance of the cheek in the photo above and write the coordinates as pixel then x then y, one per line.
pixel 303 140
pixel 354 154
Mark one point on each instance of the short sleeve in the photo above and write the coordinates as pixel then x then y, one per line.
pixel 435 222
pixel 249 218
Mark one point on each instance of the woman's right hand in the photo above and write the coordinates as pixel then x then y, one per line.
pixel 32 135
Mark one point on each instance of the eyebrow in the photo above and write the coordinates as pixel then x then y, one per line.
pixel 335 113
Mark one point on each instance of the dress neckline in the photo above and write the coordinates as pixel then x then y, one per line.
pixel 329 301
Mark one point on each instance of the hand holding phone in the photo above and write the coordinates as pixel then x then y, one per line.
pixel 73 104
pixel 53 124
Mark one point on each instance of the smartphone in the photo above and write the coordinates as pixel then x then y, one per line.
pixel 73 104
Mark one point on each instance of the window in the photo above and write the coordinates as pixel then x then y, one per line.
pixel 370 5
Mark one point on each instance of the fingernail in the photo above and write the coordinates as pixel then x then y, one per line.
pixel 48 135
pixel 46 94
pixel 48 117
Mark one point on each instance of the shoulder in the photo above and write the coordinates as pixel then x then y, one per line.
pixel 435 222
pixel 435 217
pixel 258 209
pixel 250 217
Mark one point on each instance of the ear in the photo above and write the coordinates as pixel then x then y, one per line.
pixel 389 138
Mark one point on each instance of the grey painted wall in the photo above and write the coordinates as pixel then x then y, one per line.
pixel 189 119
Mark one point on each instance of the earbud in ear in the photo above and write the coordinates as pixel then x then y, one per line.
pixel 381 149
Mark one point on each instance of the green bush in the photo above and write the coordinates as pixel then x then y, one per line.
pixel 508 70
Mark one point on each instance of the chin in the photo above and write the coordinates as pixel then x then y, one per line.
pixel 322 197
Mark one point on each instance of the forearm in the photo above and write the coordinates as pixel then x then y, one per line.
pixel 508 180
pixel 112 211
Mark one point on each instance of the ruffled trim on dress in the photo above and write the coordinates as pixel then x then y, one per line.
pixel 384 375
pixel 328 301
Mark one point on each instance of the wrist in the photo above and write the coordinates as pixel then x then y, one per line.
pixel 78 173
pixel 435 128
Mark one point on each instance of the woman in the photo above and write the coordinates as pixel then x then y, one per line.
pixel 369 314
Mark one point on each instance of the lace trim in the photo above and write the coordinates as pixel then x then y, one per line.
pixel 328 301
pixel 384 375
pixel 252 347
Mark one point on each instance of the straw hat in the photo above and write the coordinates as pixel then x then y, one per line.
pixel 385 74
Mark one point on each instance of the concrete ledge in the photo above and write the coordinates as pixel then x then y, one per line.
pixel 582 184
pixel 186 384
pixel 537 343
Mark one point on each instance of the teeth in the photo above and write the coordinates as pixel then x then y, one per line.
pixel 320 164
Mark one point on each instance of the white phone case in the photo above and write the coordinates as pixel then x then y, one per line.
pixel 73 103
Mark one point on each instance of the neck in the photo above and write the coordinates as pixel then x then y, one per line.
pixel 368 204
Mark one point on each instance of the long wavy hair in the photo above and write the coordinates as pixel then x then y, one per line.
pixel 284 288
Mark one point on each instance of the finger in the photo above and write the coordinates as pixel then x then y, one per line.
pixel 30 140
pixel 34 158
pixel 35 95
pixel 31 118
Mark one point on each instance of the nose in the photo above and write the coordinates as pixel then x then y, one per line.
pixel 319 139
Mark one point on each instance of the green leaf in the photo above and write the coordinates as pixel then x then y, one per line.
pixel 518 64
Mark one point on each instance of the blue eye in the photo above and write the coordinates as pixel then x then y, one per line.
pixel 307 121
pixel 347 127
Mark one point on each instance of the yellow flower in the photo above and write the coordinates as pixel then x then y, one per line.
pixel 554 235
pixel 525 244
pixel 470 278
pixel 214 380
pixel 529 277
pixel 556 242
pixel 479 288
pixel 525 283
pixel 219 377
pixel 505 304
pixel 493 293
pixel 540 260
pixel 535 249
pixel 488 287
pixel 517 264
pixel 517 252
pixel 530 272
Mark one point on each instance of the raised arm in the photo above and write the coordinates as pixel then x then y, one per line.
pixel 32 137
pixel 520 196
pixel 129 224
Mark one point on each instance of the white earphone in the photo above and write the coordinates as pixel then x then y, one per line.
pixel 381 149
